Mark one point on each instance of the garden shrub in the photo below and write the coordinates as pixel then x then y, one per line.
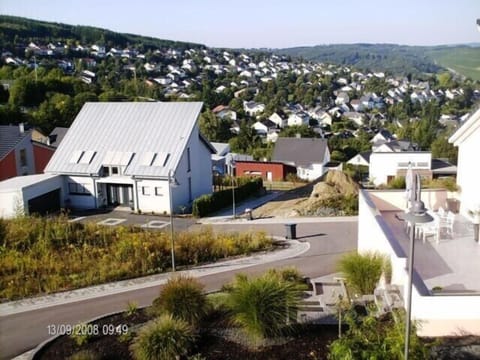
pixel 369 337
pixel 362 271
pixel 207 204
pixel 182 297
pixel 165 338
pixel 264 306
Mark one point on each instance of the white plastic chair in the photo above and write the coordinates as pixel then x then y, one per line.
pixel 448 223
pixel 431 229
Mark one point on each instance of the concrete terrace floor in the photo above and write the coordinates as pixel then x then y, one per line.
pixel 453 263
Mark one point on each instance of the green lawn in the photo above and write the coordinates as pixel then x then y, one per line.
pixel 464 60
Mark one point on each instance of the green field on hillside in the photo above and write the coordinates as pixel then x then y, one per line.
pixel 464 60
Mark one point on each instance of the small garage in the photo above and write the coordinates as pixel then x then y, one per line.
pixel 47 203
pixel 40 194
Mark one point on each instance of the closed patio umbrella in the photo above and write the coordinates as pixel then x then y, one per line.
pixel 409 187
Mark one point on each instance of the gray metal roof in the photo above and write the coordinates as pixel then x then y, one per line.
pixel 300 151
pixel 146 138
pixel 57 135
pixel 10 136
pixel 20 182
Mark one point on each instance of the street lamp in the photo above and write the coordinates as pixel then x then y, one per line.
pixel 416 215
pixel 231 166
pixel 172 182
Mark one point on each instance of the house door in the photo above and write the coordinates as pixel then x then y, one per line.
pixel 269 176
pixel 119 195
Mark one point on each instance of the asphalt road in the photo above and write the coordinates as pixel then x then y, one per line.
pixel 328 241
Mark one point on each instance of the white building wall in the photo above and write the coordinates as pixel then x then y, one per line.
pixel 15 202
pixel 200 173
pixel 467 173
pixel 383 165
pixel 87 201
pixel 310 173
pixel 438 315
pixel 11 203
pixel 152 196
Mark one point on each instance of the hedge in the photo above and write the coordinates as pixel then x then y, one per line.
pixel 207 204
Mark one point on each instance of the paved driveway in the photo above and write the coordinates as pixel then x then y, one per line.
pixel 119 217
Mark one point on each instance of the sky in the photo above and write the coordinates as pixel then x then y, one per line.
pixel 268 23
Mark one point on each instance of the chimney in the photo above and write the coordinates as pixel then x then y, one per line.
pixel 21 127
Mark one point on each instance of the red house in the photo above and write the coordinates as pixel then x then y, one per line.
pixel 19 154
pixel 268 170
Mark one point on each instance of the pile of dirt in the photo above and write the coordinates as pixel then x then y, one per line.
pixel 336 183
pixel 308 199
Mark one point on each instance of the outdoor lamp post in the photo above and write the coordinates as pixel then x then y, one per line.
pixel 172 182
pixel 417 215
pixel 231 167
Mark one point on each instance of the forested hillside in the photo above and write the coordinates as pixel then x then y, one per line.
pixel 21 31
pixel 396 59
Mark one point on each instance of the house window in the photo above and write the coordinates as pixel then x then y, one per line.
pixel 78 189
pixel 145 190
pixel 158 191
pixel 114 170
pixel 188 159
pixel 23 157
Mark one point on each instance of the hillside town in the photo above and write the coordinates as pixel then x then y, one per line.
pixel 258 204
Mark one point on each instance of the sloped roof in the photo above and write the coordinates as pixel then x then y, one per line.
pixel 300 151
pixel 221 148
pixel 57 135
pixel 10 136
pixel 471 125
pixel 147 138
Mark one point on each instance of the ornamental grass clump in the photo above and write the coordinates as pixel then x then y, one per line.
pixel 362 271
pixel 263 307
pixel 165 338
pixel 183 298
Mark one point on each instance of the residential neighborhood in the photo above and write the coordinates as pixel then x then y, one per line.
pixel 231 202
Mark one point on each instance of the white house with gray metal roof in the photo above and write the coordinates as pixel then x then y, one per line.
pixel 121 154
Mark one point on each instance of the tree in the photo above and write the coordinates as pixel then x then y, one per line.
pixel 295 130
pixel 441 148
pixel 214 128
pixel 247 139
pixel 58 110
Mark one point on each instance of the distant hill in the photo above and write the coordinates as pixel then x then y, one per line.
pixel 463 59
pixel 21 31
pixel 397 59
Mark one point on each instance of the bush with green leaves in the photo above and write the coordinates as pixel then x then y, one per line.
pixel 264 306
pixel 362 271
pixel 397 183
pixel 165 338
pixel 370 337
pixel 182 297
pixel 132 308
pixel 206 204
